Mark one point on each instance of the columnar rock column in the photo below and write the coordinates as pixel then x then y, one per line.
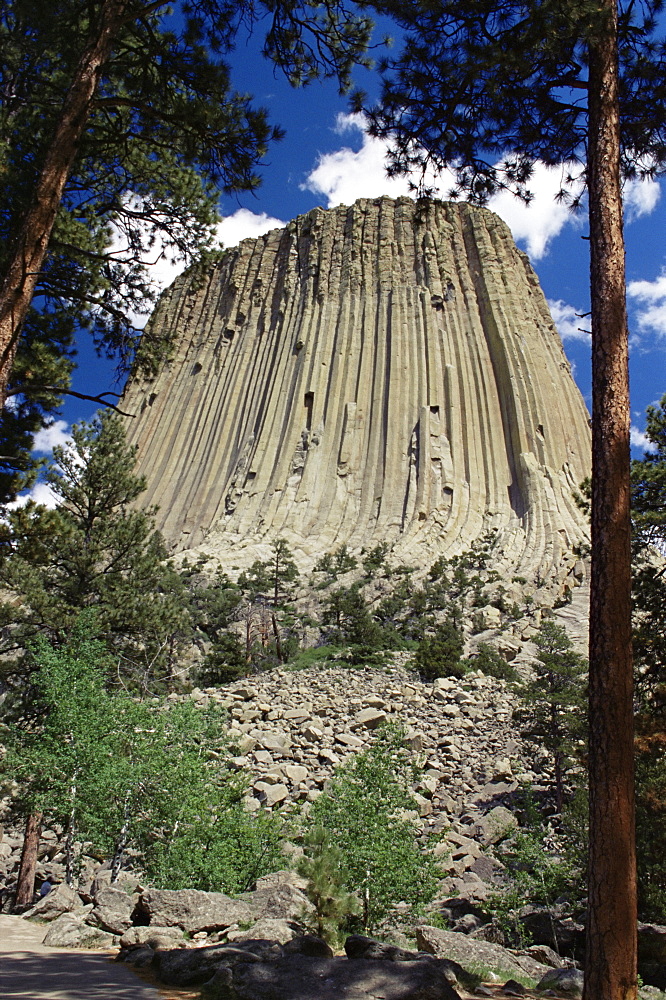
pixel 385 372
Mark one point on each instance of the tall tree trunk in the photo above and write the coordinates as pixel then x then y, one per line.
pixel 29 251
pixel 610 959
pixel 25 886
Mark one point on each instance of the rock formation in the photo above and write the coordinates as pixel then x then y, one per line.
pixel 387 372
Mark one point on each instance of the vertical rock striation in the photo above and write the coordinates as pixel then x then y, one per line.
pixel 385 372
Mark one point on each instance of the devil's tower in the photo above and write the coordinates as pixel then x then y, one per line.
pixel 385 372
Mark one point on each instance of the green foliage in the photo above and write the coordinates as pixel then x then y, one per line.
pixel 97 549
pixel 440 655
pixel 651 824
pixel 554 707
pixel 123 773
pixel 361 811
pixel 374 561
pixel 648 508
pixel 272 580
pixel 321 865
pixel 335 564
pixel 347 620
pixel 491 662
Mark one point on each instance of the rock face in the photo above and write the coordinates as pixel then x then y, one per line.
pixel 381 373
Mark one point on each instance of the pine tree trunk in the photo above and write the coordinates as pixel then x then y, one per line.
pixel 25 887
pixel 610 959
pixel 29 250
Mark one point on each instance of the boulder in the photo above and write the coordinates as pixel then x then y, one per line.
pixel 496 825
pixel 192 966
pixel 113 910
pixel 153 937
pixel 267 929
pixel 563 982
pixel 69 930
pixel 554 927
pixel 469 952
pixel 278 897
pixel 652 943
pixel 61 899
pixel 192 910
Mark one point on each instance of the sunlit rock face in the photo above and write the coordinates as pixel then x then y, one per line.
pixel 386 372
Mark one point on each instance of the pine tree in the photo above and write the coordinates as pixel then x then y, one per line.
pixel 321 865
pixel 96 549
pixel 554 702
pixel 485 88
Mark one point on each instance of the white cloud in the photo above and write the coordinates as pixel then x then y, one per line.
pixel 538 223
pixel 244 224
pixel 639 439
pixel 347 174
pixel 40 493
pixel 55 434
pixel 640 198
pixel 650 297
pixel 569 320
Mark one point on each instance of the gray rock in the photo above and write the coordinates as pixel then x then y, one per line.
pixel 652 943
pixel 469 952
pixel 299 977
pixel 496 825
pixel 563 982
pixel 545 955
pixel 153 937
pixel 190 967
pixel 113 910
pixel 69 930
pixel 278 897
pixel 267 929
pixel 193 910
pixel 61 899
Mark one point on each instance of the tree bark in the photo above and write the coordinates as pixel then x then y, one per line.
pixel 29 251
pixel 610 959
pixel 25 887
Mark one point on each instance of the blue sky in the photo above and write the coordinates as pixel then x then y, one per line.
pixel 326 159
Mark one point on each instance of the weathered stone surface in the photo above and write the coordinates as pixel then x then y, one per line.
pixel 69 930
pixel 153 937
pixel 430 316
pixel 61 899
pixel 563 982
pixel 266 929
pixel 469 952
pixel 192 910
pixel 496 825
pixel 113 910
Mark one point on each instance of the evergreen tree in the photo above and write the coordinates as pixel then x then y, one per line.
pixel 121 114
pixel 485 88
pixel 96 549
pixel 440 654
pixel 554 702
pixel 321 865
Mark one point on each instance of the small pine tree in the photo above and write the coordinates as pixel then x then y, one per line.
pixel 554 703
pixel 440 655
pixel 322 867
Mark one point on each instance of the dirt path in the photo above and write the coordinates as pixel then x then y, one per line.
pixel 31 971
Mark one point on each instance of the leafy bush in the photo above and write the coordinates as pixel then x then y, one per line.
pixel 362 813
pixel 440 655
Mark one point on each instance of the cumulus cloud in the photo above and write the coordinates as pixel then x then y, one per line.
pixel 568 319
pixel 244 224
pixel 639 439
pixel 49 437
pixel 40 493
pixel 347 174
pixel 538 223
pixel 640 198
pixel 650 300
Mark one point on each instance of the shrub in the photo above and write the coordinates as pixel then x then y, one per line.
pixel 440 655
pixel 491 662
pixel 362 812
